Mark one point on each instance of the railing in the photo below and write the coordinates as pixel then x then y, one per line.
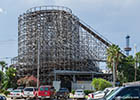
pixel 93 30
pixel 99 35
pixel 39 8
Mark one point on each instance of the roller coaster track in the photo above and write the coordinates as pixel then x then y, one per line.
pixel 97 35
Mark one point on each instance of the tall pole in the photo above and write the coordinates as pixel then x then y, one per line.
pixel 38 62
pixel 135 48
pixel 114 76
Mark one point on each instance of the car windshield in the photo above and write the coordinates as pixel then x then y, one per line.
pixel 99 92
pixel 44 89
pixel 28 89
pixel 21 88
pixel 79 91
pixel 110 95
pixel 17 91
pixel 63 90
pixel 10 89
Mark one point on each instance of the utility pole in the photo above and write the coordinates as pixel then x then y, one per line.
pixel 38 62
pixel 114 76
pixel 135 48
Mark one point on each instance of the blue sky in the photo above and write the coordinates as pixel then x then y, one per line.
pixel 114 19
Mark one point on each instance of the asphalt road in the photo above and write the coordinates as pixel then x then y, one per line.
pixel 24 99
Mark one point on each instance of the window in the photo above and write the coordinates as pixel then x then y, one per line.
pixel 41 89
pixel 111 95
pixel 63 90
pixel 131 92
pixel 16 91
pixel 28 89
pixel 46 88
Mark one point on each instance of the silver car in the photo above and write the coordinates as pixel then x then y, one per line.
pixel 30 92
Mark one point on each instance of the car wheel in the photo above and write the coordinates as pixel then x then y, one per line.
pixel 21 97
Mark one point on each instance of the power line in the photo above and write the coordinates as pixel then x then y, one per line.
pixel 10 40
pixel 6 57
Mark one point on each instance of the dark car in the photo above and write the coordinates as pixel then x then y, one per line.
pixel 125 93
pixel 63 93
pixel 2 97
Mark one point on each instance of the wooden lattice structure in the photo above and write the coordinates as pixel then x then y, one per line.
pixel 66 43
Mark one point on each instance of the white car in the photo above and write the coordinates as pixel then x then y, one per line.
pixel 30 92
pixel 100 94
pixel 10 89
pixel 79 94
pixel 91 95
pixel 17 93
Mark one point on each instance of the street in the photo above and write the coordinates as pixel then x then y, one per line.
pixel 24 99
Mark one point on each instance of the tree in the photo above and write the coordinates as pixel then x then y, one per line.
pixel 113 57
pixel 27 81
pixel 9 78
pixel 126 69
pixel 22 81
pixel 138 58
pixel 3 65
pixel 1 78
pixel 137 69
pixel 100 84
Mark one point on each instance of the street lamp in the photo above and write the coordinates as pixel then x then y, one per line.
pixel 135 48
pixel 38 62
pixel 114 74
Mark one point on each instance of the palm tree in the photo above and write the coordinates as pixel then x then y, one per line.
pixel 113 57
pixel 3 65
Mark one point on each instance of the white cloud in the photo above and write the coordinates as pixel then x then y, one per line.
pixel 1 10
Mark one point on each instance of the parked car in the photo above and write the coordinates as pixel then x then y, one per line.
pixel 30 92
pixel 2 97
pixel 62 93
pixel 124 93
pixel 91 96
pixel 79 94
pixel 17 93
pixel 10 89
pixel 110 91
pixel 21 88
pixel 46 92
pixel 100 94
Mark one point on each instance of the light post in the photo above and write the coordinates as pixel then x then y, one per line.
pixel 114 76
pixel 38 62
pixel 136 69
pixel 135 77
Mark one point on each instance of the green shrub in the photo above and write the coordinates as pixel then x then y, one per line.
pixel 88 91
pixel 100 84
pixel 6 92
pixel 73 91
pixel 2 90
